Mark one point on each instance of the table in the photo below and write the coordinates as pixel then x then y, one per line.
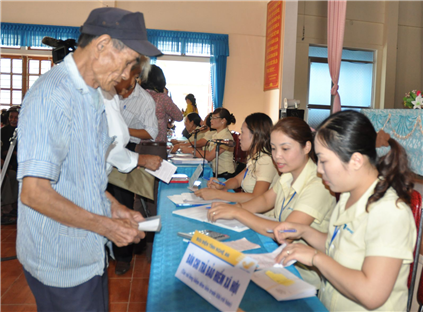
pixel 167 293
pixel 405 126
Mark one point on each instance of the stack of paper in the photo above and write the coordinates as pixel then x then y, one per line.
pixel 200 213
pixel 188 161
pixel 282 284
pixel 151 224
pixel 190 198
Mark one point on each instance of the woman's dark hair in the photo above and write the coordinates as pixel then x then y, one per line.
pixel 207 121
pixel 195 118
pixel 349 132
pixel 298 130
pixel 156 80
pixel 259 125
pixel 224 113
pixel 191 98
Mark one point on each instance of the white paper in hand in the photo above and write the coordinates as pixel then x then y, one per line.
pixel 151 224
pixel 165 171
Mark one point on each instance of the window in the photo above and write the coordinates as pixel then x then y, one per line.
pixel 18 74
pixel 186 75
pixel 355 82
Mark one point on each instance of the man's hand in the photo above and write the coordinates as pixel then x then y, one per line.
pixel 151 162
pixel 124 225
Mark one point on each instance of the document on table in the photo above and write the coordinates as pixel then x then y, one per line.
pixel 282 284
pixel 188 161
pixel 268 259
pixel 190 198
pixel 200 213
pixel 165 171
pixel 242 244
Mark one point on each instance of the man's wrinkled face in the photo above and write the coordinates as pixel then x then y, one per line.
pixel 113 65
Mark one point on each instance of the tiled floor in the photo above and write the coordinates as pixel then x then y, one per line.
pixel 127 293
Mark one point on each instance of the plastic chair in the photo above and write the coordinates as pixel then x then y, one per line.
pixel 416 207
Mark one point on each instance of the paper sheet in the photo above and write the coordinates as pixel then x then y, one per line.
pixel 282 284
pixel 165 171
pixel 200 213
pixel 268 259
pixel 195 175
pixel 188 161
pixel 151 224
pixel 190 198
pixel 242 244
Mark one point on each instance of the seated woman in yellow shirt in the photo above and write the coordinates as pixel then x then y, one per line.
pixel 220 120
pixel 260 172
pixel 192 123
pixel 298 196
pixel 365 256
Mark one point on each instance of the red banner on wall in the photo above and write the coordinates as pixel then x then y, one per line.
pixel 273 45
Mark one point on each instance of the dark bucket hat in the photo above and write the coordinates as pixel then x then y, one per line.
pixel 128 27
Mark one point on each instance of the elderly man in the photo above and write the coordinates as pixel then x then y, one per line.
pixel 65 215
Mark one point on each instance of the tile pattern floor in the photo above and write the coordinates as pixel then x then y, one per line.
pixel 127 293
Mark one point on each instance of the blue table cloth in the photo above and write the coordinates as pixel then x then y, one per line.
pixel 405 126
pixel 167 293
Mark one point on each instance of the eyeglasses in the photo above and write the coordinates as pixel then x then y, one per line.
pixel 211 118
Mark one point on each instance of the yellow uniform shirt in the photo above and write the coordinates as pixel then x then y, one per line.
pixel 387 230
pixel 200 135
pixel 226 159
pixel 261 169
pixel 308 194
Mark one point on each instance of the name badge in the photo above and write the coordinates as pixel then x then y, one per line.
pixel 216 272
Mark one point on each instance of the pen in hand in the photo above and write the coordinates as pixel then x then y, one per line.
pixel 218 182
pixel 283 231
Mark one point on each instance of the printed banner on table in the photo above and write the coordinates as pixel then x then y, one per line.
pixel 216 272
pixel 273 45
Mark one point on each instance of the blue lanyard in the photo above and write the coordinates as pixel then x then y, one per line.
pixel 283 207
pixel 245 174
pixel 337 228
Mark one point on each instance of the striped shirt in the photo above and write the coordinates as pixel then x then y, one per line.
pixel 139 112
pixel 62 135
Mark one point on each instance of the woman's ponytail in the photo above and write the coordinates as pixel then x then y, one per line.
pixel 394 171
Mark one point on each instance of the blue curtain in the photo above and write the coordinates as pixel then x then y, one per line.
pixel 218 75
pixel 29 35
pixel 216 46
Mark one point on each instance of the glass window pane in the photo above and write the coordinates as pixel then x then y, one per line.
pixel 34 67
pixel 347 54
pixel 45 66
pixel 17 82
pixel 32 79
pixel 316 116
pixel 320 84
pixel 5 97
pixel 5 65
pixel 17 97
pixel 355 84
pixel 5 81
pixel 17 66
